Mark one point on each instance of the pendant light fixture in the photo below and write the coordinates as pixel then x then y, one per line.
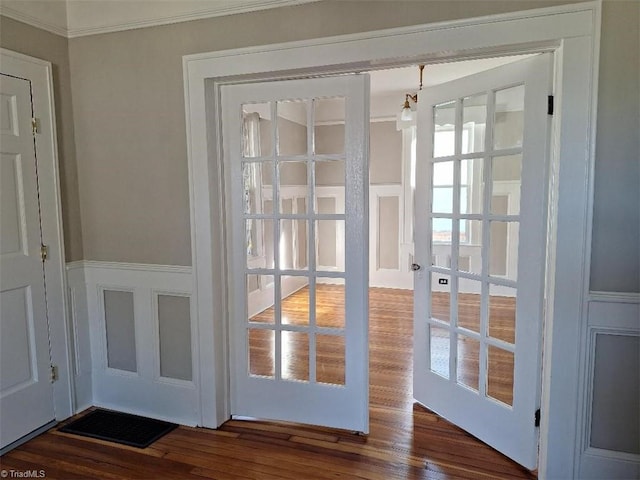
pixel 406 113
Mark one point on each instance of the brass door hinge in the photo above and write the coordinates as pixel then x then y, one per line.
pixel 54 373
pixel 44 252
pixel 35 125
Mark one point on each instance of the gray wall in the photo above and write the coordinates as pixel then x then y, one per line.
pixel 128 112
pixel 615 254
pixel 38 43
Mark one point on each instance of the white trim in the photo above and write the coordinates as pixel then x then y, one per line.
pixel 570 31
pixel 39 72
pixel 33 21
pixel 145 267
pixel 212 10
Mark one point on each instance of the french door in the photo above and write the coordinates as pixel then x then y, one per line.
pixel 480 241
pixel 296 174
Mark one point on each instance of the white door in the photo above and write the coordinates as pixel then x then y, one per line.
pixel 296 165
pixel 480 241
pixel 26 392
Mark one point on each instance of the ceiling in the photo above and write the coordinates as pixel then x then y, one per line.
pixel 399 81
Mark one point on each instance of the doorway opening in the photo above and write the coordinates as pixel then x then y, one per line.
pixel 291 245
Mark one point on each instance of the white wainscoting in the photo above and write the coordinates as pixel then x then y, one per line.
pixel 144 391
pixel 400 277
pixel 615 315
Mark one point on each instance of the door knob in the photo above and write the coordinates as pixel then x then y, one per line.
pixel 415 267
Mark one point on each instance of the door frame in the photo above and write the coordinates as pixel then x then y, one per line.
pixel 39 73
pixel 571 32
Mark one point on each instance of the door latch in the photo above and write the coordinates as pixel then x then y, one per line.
pixel 415 267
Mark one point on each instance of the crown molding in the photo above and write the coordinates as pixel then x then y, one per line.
pixel 210 12
pixel 214 10
pixel 33 21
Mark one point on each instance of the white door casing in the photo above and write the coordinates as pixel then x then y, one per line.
pixel 571 31
pixel 26 393
pixel 502 420
pixel 273 393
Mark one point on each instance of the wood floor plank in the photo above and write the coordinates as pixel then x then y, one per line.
pixel 406 441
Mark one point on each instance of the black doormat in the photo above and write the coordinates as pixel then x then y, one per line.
pixel 119 427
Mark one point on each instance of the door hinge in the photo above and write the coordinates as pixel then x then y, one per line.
pixel 54 373
pixel 44 252
pixel 550 105
pixel 35 125
pixel 537 418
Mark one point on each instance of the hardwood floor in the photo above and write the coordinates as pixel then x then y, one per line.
pixel 406 441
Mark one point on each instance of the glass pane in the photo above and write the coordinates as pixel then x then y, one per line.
pixel 503 252
pixel 442 228
pixel 256 132
pixel 330 174
pixel 469 304
pixel 500 375
pixel 443 174
pixel 329 125
pixel 444 135
pixel 470 249
pixel 442 200
pixel 295 300
pixel 330 245
pixel 326 205
pixel 468 364
pixel 330 359
pixel 261 348
pixel 293 256
pixel 502 313
pixel 260 298
pixel 506 174
pixel 174 328
pixel 267 206
pixel 439 350
pixel 509 118
pixel 471 186
pixel 474 120
pixel 441 253
pixel 292 127
pixel 330 304
pixel 295 356
pixel 267 176
pixel 254 175
pixel 301 205
pixel 440 297
pixel 301 233
pixel 259 238
pixel 292 174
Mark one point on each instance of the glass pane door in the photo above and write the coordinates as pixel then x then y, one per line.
pixel 296 151
pixel 480 238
